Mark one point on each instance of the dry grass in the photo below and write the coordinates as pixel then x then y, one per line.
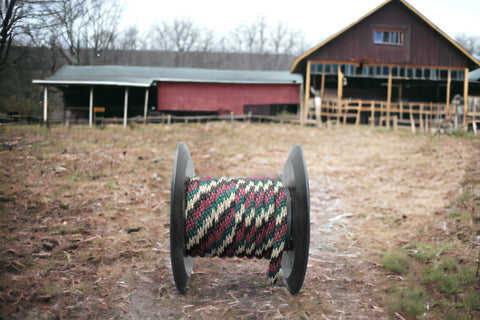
pixel 84 218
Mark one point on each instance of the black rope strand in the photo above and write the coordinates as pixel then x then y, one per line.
pixel 243 217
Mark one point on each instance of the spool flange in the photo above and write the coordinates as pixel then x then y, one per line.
pixel 182 265
pixel 295 256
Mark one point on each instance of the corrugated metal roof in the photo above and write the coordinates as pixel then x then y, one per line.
pixel 474 75
pixel 145 76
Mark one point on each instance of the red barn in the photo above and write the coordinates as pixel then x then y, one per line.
pixel 392 62
pixel 224 91
pixel 128 91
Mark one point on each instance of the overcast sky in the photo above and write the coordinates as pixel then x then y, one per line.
pixel 318 19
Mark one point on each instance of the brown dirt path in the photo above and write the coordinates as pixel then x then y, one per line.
pixel 84 218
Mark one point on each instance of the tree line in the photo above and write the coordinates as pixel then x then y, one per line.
pixel 79 31
pixel 39 36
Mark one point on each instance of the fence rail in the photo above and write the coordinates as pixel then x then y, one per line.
pixel 375 112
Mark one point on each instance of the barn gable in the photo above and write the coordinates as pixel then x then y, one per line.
pixel 410 39
pixel 389 64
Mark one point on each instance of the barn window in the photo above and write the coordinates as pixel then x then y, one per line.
pixel 334 68
pixel 388 37
pixel 419 73
pixel 410 72
pixel 385 71
pixel 443 74
pixel 348 70
pixel 426 73
pixel 394 72
pixel 366 71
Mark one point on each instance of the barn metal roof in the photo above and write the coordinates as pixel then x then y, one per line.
pixel 474 75
pixel 145 76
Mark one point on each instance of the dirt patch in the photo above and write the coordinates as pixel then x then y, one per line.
pixel 85 218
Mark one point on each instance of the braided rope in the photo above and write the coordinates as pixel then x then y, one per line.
pixel 242 217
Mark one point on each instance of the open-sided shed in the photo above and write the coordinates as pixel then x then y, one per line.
pixel 128 91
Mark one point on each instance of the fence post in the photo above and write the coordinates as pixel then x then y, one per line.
pixel 372 117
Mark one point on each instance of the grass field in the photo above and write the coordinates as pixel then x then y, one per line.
pixel 84 225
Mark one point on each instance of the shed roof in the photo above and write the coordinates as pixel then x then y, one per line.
pixel 299 61
pixel 145 76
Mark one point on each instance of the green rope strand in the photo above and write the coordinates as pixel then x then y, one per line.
pixel 242 217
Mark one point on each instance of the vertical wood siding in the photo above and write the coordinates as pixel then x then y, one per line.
pixel 223 97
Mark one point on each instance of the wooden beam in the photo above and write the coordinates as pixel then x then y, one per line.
pixel 45 104
pixel 372 116
pixel 304 114
pixel 145 111
pixel 412 120
pixel 400 100
pixel 359 112
pixel 420 117
pixel 465 99
pixel 318 110
pixel 389 95
pixel 125 109
pixel 322 87
pixel 449 80
pixel 322 94
pixel 339 93
pixel 90 108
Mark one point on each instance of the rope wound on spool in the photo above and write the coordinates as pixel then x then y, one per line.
pixel 261 217
pixel 237 217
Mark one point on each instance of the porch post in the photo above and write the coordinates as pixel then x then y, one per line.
pixel 322 87
pixel 339 93
pixel 45 104
pixel 304 114
pixel 465 99
pixel 125 109
pixel 90 106
pixel 146 107
pixel 389 95
pixel 449 80
pixel 322 94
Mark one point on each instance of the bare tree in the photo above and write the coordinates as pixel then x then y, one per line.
pixel 207 42
pixel 66 22
pixel 103 17
pixel 75 26
pixel 260 37
pixel 469 43
pixel 9 19
pixel 254 35
pixel 16 17
pixel 180 35
pixel 283 38
pixel 129 39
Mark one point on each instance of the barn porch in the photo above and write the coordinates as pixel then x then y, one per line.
pixel 421 115
pixel 376 94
